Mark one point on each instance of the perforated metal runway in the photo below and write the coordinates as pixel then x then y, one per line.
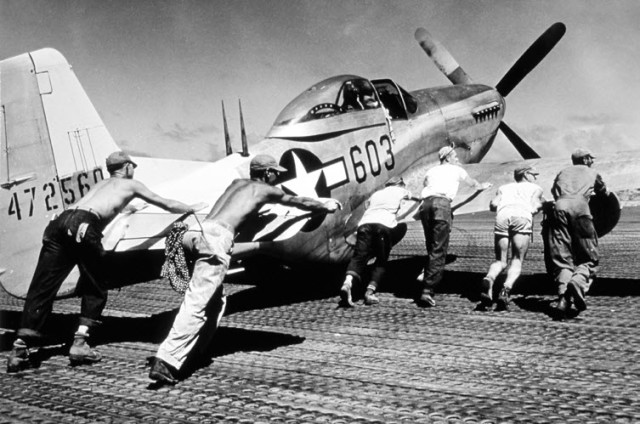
pixel 286 354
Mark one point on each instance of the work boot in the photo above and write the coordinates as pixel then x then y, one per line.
pixel 486 298
pixel 370 297
pixel 163 372
pixel 502 304
pixel 562 307
pixel 345 295
pixel 19 357
pixel 426 301
pixel 80 352
pixel 577 295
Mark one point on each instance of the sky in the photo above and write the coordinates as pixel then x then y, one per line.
pixel 157 71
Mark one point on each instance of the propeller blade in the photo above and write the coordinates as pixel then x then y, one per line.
pixel 441 57
pixel 530 59
pixel 523 148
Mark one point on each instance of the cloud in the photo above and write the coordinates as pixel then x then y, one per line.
pixel 180 133
pixel 594 119
pixel 601 133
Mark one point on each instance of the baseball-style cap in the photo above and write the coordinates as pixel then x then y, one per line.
pixel 394 181
pixel 264 162
pixel 119 158
pixel 581 152
pixel 519 172
pixel 444 152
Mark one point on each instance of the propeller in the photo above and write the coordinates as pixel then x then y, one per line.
pixel 441 57
pixel 531 58
pixel 523 148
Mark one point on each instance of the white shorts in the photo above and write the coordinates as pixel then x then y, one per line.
pixel 508 224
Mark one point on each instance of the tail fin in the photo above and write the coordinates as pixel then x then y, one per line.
pixel 53 146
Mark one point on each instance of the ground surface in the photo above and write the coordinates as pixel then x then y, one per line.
pixel 286 354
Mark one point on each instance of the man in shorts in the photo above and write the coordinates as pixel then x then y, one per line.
pixel 515 204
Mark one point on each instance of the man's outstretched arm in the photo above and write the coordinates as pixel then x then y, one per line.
pixel 309 204
pixel 171 205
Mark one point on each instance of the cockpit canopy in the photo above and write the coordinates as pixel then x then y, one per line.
pixel 333 96
pixel 342 103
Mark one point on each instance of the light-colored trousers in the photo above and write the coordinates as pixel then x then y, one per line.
pixel 204 300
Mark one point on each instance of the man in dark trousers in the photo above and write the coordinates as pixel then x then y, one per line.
pixel 440 187
pixel 212 247
pixel 572 238
pixel 74 238
pixel 374 238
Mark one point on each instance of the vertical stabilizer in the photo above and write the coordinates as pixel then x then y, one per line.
pixel 53 150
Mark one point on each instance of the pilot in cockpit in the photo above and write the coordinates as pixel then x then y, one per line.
pixel 359 95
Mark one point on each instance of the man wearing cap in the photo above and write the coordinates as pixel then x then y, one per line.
pixel 374 238
pixel 571 236
pixel 74 238
pixel 440 187
pixel 514 204
pixel 204 300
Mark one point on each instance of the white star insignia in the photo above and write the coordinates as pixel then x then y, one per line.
pixel 304 184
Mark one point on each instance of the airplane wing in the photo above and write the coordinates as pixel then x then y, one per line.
pixel 147 227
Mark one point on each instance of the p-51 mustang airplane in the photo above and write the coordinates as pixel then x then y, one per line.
pixel 342 138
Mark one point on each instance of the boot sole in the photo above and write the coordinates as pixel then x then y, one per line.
pixel 578 298
pixel 485 300
pixel 501 305
pixel 83 360
pixel 13 368
pixel 161 378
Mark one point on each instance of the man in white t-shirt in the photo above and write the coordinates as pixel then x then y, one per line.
pixel 440 187
pixel 374 239
pixel 515 204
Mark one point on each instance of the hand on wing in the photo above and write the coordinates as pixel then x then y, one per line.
pixel 333 205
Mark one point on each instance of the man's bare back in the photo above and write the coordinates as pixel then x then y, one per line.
pixel 109 197
pixel 245 197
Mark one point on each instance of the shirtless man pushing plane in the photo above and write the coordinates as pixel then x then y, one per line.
pixel 74 238
pixel 243 198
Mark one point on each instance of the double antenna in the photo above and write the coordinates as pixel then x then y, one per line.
pixel 243 134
